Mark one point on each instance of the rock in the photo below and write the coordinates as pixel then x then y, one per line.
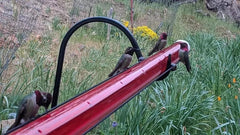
pixel 5 124
pixel 226 9
pixel 12 116
pixel 38 37
pixel 81 47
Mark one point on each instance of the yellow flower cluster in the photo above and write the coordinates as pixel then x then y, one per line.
pixel 145 31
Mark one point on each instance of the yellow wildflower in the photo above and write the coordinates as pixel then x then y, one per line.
pixel 236 97
pixel 234 80
pixel 116 34
pixel 229 85
pixel 143 34
pixel 125 23
pixel 219 98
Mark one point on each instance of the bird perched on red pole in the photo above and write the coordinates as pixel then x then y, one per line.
pixel 161 43
pixel 30 105
pixel 183 53
pixel 123 62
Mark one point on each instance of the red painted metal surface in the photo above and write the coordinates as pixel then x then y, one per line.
pixel 83 112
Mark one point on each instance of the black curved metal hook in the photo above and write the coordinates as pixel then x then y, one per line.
pixel 69 34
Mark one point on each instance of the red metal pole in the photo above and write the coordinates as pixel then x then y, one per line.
pixel 82 113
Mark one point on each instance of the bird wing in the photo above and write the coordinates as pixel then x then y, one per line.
pixel 155 48
pixel 20 113
pixel 162 44
pixel 186 60
pixel 119 64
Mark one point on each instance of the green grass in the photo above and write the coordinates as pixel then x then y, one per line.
pixel 183 103
pixel 190 100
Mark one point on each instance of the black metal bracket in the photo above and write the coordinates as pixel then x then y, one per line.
pixel 170 67
pixel 69 34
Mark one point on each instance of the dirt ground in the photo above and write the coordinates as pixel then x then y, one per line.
pixel 37 15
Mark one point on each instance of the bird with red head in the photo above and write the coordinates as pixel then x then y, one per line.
pixel 30 105
pixel 161 43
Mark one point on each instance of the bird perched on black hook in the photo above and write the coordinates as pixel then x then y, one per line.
pixel 161 43
pixel 30 105
pixel 123 62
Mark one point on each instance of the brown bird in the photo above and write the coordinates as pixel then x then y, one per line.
pixel 30 105
pixel 161 43
pixel 183 55
pixel 123 62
